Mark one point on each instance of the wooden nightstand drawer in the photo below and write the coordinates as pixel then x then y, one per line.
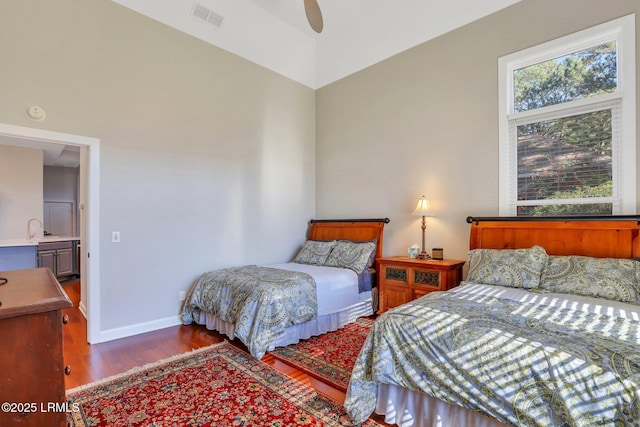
pixel 396 295
pixel 392 274
pixel 426 277
pixel 402 279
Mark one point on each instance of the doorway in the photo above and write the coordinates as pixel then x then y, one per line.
pixel 89 207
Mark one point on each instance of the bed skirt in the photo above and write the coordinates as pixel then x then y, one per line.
pixel 408 408
pixel 295 333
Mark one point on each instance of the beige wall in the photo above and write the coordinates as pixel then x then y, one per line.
pixel 20 191
pixel 425 122
pixel 206 160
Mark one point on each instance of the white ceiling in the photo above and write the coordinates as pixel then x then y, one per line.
pixel 357 33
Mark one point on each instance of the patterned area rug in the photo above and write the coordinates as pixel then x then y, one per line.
pixel 330 356
pixel 218 385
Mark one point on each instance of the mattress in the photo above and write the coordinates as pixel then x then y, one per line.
pixel 339 303
pixel 336 288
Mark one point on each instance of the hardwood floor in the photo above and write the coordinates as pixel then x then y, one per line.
pixel 93 362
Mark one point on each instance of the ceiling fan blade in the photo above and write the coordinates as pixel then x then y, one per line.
pixel 314 15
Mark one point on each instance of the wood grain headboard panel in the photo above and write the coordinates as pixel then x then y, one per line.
pixel 349 229
pixel 612 237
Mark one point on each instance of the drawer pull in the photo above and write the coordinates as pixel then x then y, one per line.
pixel 67 370
pixel 65 319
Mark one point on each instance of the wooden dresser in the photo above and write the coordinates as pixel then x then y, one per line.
pixel 402 279
pixel 32 391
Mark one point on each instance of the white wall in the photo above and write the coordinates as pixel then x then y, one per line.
pixel 20 190
pixel 425 122
pixel 207 160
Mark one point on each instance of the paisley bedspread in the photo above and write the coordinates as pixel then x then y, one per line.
pixel 522 362
pixel 260 301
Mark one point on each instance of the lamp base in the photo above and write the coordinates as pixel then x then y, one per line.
pixel 423 255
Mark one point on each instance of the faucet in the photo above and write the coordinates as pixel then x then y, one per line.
pixel 31 235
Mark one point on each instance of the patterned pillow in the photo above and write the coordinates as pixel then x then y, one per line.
pixel 314 252
pixel 515 268
pixel 610 278
pixel 351 255
pixel 371 262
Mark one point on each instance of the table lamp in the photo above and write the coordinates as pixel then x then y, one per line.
pixel 424 210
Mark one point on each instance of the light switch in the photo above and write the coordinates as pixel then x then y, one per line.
pixel 115 237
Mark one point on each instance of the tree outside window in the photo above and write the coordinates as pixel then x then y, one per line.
pixel 563 124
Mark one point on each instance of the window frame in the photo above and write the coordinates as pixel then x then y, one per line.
pixel 622 31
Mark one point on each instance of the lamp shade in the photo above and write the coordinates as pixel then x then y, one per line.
pixel 423 208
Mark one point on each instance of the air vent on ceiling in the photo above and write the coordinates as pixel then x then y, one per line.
pixel 206 14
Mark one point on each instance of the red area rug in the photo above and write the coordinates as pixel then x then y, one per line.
pixel 331 356
pixel 218 385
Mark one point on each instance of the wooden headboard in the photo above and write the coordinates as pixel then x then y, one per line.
pixel 349 229
pixel 610 236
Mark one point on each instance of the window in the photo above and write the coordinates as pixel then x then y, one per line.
pixel 567 125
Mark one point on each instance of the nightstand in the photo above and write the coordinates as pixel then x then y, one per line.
pixel 402 279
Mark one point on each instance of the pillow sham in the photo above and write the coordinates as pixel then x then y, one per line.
pixel 371 261
pixel 614 279
pixel 314 252
pixel 352 255
pixel 515 268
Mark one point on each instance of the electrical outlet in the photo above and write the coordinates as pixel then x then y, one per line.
pixel 115 237
pixel 182 296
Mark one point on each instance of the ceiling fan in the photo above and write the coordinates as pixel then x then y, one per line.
pixel 314 15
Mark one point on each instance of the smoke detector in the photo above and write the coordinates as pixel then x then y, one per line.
pixel 36 113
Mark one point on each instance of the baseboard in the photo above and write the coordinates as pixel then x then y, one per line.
pixel 83 309
pixel 140 328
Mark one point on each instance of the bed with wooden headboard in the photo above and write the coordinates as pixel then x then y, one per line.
pixel 358 230
pixel 614 236
pixel 544 331
pixel 327 285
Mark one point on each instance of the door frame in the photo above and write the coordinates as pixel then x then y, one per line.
pixel 91 245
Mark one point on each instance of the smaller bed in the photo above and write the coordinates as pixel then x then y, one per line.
pixel 329 284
